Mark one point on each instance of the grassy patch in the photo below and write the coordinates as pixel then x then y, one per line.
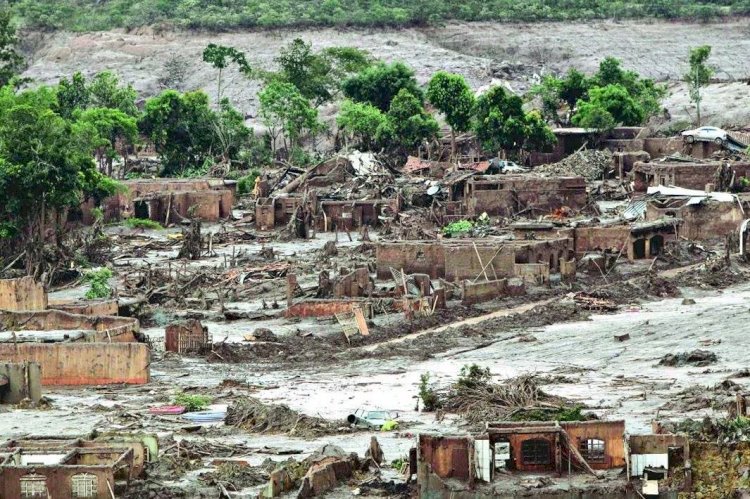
pixel 143 223
pixel 192 403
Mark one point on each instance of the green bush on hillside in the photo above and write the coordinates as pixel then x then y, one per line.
pixel 91 15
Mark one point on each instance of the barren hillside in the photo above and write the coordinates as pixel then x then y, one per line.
pixel 513 54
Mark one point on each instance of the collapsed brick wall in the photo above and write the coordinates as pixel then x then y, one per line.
pixel 455 261
pixel 22 294
pixel 482 291
pixel 702 221
pixel 686 175
pixel 611 432
pixel 99 308
pixel 510 195
pixel 58 479
pixel 595 239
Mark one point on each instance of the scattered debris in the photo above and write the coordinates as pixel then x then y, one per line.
pixel 697 358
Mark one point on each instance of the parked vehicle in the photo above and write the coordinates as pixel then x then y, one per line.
pixel 705 134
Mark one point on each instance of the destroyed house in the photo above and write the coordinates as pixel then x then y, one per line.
pixel 325 214
pixel 438 169
pixel 657 460
pixel 69 468
pixel 512 195
pixel 636 241
pixel 704 215
pixel 169 200
pixel 690 175
pixel 449 463
pixel 458 259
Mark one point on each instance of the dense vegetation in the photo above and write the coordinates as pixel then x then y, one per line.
pixel 92 15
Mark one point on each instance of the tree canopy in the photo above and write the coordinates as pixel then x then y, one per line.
pixel 410 124
pixel 594 99
pixel 181 126
pixel 11 61
pixel 379 84
pixel 46 167
pixel 284 109
pixel 451 95
pixel 502 125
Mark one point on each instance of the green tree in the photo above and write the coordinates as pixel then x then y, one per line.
pixel 182 128
pixel 410 124
pixel 451 95
pixel 502 125
pixel 615 100
pixel 362 122
pixel 548 91
pixel 110 132
pixel 105 91
pixel 594 117
pixel 379 84
pixel 573 87
pixel 46 167
pixel 318 76
pixel 307 71
pixel 231 133
pixel 11 61
pixel 220 57
pixel 284 109
pixel 72 95
pixel 699 76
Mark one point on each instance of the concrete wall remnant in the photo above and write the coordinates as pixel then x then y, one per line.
pixel 686 175
pixel 22 294
pixel 481 291
pixel 326 308
pixel 31 325
pixel 68 364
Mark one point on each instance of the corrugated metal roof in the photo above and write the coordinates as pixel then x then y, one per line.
pixel 635 210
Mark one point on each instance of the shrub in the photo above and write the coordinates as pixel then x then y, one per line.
pixel 473 375
pixel 428 394
pixel 192 403
pixel 458 227
pixel 99 282
pixel 143 223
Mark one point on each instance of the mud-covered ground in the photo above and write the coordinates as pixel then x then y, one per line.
pixel 578 358
pixel 511 54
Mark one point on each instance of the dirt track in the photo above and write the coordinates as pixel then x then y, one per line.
pixel 477 51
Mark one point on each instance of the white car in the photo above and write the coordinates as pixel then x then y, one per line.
pixel 705 134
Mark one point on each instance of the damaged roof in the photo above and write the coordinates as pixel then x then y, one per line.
pixel 694 196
